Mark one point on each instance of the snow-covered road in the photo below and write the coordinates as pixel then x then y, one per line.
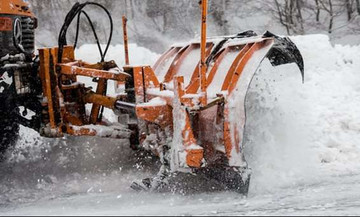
pixel 337 195
pixel 302 142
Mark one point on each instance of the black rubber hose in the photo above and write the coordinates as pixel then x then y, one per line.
pixel 94 31
pixel 76 9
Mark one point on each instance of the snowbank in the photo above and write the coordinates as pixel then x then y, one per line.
pixel 301 133
pixel 137 55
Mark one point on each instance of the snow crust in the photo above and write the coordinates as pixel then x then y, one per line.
pixel 157 101
pixel 302 142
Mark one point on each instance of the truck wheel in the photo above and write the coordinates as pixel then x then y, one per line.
pixel 9 132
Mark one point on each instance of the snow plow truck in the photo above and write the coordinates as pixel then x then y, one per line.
pixel 188 109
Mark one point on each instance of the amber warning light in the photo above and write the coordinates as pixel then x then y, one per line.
pixel 5 24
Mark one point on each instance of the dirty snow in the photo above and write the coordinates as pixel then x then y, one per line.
pixel 302 143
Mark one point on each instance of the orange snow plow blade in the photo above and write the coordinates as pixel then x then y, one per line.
pixel 203 136
pixel 191 105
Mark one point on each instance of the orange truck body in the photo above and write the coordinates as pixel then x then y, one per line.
pixel 16 7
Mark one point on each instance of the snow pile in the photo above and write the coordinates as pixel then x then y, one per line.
pixel 137 55
pixel 300 133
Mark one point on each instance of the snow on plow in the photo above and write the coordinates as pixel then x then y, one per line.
pixel 188 109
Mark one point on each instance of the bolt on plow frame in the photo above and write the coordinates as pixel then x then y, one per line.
pixel 188 109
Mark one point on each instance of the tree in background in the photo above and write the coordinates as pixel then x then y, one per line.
pixel 327 5
pixel 339 8
pixel 156 24
pixel 349 8
pixel 219 9
pixel 289 13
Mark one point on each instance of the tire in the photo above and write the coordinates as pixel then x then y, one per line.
pixel 9 133
pixel 9 125
pixel 9 128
